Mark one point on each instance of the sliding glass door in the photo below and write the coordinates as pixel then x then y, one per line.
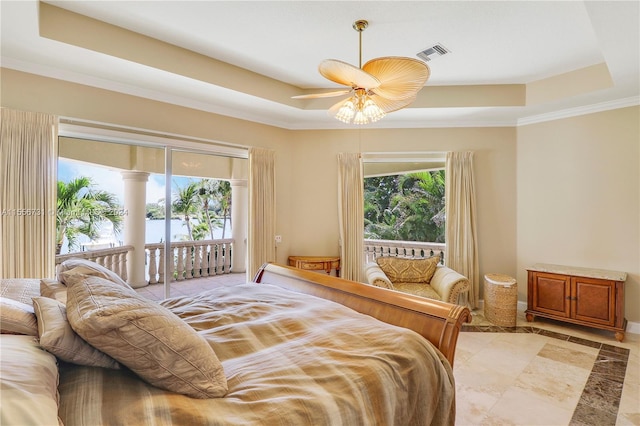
pixel 155 213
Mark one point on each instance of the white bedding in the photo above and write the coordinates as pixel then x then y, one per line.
pixel 29 385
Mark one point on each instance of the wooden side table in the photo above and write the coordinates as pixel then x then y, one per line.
pixel 316 263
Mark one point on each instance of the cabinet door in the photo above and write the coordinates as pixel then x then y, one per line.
pixel 552 294
pixel 594 300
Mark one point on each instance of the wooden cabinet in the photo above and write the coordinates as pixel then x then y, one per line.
pixel 591 297
pixel 316 263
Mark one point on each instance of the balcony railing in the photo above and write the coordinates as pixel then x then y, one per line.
pixel 409 249
pixel 114 259
pixel 191 259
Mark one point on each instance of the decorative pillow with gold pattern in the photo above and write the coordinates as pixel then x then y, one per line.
pixel 401 270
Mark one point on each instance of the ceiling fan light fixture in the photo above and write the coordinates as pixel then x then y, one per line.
pixel 381 86
pixel 372 110
pixel 359 109
pixel 346 112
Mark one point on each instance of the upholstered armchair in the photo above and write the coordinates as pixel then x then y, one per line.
pixel 422 277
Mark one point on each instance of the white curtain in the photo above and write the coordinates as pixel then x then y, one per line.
pixel 461 254
pixel 262 209
pixel 351 215
pixel 28 155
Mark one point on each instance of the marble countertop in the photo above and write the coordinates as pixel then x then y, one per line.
pixel 580 272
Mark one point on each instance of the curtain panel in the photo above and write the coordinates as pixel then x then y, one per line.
pixel 351 215
pixel 461 254
pixel 262 209
pixel 28 157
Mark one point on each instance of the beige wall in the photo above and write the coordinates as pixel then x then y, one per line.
pixel 578 196
pixel 547 165
pixel 314 224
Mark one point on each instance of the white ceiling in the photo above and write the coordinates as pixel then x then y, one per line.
pixel 501 42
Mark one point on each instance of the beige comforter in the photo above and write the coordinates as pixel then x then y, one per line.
pixel 290 359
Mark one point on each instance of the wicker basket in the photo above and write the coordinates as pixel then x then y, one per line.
pixel 500 299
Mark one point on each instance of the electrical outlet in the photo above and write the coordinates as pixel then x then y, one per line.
pixel 278 239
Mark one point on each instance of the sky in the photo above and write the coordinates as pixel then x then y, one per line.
pixel 111 180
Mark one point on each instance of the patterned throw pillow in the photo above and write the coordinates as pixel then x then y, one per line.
pixel 401 270
pixel 17 318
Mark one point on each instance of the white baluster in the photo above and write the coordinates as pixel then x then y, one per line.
pixel 219 259
pixel 212 260
pixel 153 270
pixel 123 266
pixel 180 265
pixel 204 261
pixel 197 257
pixel 227 257
pixel 161 266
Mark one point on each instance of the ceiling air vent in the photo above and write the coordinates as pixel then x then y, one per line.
pixel 433 52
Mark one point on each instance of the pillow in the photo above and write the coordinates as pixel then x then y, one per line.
pixel 17 318
pixel 20 289
pixel 147 338
pixel 53 289
pixel 401 270
pixel 57 336
pixel 29 383
pixel 86 267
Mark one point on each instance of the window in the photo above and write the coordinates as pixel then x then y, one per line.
pixel 404 199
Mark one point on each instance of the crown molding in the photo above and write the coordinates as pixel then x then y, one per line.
pixel 582 110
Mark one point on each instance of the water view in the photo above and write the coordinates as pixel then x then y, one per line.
pixel 154 233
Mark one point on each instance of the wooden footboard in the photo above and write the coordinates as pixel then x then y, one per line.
pixel 438 322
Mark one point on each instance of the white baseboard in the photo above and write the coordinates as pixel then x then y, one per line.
pixel 632 327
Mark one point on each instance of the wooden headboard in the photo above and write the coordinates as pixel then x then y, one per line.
pixel 438 322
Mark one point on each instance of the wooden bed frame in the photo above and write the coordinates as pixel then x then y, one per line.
pixel 439 322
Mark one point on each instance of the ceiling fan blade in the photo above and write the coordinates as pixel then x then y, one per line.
pixel 346 74
pixel 390 105
pixel 322 95
pixel 399 77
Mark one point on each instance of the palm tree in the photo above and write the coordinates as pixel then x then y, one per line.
pixel 218 193
pixel 186 202
pixel 208 188
pixel 81 209
pixel 405 207
pixel 223 197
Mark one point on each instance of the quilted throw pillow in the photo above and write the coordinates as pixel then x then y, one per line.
pixel 147 338
pixel 57 336
pixel 401 270
pixel 86 267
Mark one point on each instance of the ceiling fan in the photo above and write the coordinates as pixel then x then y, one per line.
pixel 378 87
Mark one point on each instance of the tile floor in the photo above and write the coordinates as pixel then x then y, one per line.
pixel 541 373
pixel 546 373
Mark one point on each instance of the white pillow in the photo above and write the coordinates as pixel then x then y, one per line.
pixel 86 267
pixel 147 338
pixel 17 318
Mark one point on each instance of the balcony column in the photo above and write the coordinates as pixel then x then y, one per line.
pixel 239 208
pixel 135 196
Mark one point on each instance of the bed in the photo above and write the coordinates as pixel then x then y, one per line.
pixel 288 355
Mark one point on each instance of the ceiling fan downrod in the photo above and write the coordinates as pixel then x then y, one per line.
pixel 360 25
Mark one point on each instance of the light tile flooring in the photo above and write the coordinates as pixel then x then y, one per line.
pixel 541 373
pixel 545 373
